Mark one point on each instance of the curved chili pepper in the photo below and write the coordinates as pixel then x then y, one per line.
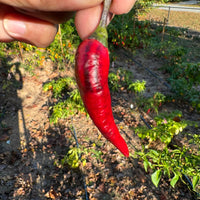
pixel 91 71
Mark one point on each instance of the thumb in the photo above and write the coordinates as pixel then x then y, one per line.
pixel 29 29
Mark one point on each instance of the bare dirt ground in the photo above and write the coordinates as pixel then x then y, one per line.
pixel 30 145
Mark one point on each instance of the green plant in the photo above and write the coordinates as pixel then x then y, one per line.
pixel 73 158
pixel 137 86
pixel 120 80
pixel 172 161
pixel 127 31
pixel 62 50
pixel 69 107
pixel 169 50
pixel 58 87
pixel 195 139
pixel 2 52
pixel 165 129
pixel 113 80
pixel 190 71
pixel 69 99
pixel 77 156
pixel 185 79
pixel 151 104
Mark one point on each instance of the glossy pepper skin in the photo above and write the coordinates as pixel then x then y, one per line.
pixel 91 71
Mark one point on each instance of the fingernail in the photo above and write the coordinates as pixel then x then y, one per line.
pixel 14 28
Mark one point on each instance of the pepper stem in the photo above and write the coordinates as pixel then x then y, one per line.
pixel 104 15
pixel 100 33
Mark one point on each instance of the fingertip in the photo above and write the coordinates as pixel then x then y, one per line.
pixel 87 20
pixel 29 29
pixel 119 7
pixel 14 28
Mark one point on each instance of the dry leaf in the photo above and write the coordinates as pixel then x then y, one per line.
pixel 4 137
pixel 176 119
pixel 51 194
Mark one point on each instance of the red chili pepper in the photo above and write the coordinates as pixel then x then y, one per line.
pixel 91 70
pixel 92 67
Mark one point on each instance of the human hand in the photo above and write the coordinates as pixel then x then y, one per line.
pixel 35 21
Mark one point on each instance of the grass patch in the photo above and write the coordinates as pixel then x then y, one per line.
pixel 188 20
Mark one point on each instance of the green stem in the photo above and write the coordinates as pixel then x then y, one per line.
pixel 100 33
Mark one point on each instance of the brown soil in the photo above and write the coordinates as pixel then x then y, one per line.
pixel 30 146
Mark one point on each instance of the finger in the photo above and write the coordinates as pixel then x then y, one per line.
pixel 53 17
pixel 87 20
pixel 119 7
pixel 4 37
pixel 52 5
pixel 28 29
